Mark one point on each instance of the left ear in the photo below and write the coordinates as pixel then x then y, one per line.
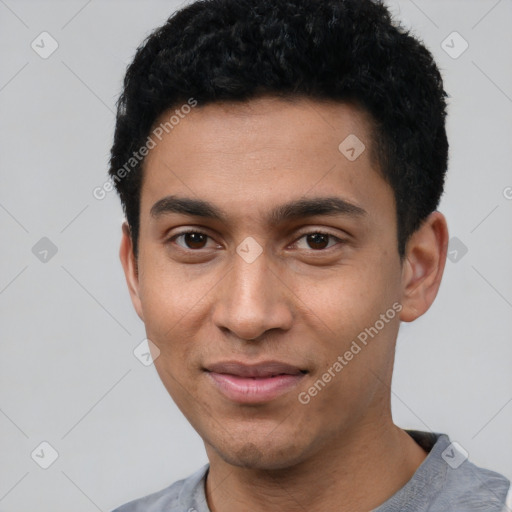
pixel 422 270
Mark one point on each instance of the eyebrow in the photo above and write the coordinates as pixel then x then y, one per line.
pixel 293 210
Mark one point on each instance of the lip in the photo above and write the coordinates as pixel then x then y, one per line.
pixel 254 383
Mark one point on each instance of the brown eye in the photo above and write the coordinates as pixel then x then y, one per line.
pixel 191 240
pixel 318 240
pixel 195 240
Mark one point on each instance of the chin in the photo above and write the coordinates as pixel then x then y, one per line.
pixel 266 454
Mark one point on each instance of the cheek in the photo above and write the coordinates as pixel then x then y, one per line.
pixel 350 308
pixel 175 306
pixel 353 297
pixel 164 307
pixel 167 293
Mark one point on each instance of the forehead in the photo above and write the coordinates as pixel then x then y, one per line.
pixel 265 151
pixel 267 120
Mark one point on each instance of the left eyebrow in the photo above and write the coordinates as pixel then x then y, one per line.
pixel 303 208
pixel 293 210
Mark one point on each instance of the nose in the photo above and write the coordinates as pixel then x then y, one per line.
pixel 252 299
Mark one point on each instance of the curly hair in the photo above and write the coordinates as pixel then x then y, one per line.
pixel 341 50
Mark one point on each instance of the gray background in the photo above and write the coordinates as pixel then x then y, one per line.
pixel 68 375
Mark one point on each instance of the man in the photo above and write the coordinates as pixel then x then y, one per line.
pixel 280 164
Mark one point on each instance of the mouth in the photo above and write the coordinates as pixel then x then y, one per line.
pixel 254 384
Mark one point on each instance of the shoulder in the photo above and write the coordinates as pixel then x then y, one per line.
pixel 179 496
pixel 459 485
pixel 472 488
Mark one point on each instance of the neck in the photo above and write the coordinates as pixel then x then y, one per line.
pixel 359 471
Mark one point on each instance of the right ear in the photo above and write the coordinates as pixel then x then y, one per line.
pixel 129 263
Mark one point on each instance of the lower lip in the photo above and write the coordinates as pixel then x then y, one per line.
pixel 246 390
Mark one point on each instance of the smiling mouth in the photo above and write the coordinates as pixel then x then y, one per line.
pixel 254 384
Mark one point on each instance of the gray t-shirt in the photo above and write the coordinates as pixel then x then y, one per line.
pixel 446 481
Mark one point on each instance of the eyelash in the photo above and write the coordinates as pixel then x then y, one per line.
pixel 302 235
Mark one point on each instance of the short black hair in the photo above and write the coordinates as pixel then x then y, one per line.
pixel 342 50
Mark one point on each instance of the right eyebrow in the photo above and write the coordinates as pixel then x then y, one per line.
pixel 187 206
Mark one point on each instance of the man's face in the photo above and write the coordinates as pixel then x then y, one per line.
pixel 267 285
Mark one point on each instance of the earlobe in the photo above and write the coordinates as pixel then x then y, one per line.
pixel 129 264
pixel 423 266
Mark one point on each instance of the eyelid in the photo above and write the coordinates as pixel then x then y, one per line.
pixel 320 231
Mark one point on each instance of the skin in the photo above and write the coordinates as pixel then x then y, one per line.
pixel 298 302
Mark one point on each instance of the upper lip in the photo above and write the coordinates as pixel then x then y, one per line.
pixel 264 369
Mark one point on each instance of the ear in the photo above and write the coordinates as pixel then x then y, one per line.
pixel 422 270
pixel 129 263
